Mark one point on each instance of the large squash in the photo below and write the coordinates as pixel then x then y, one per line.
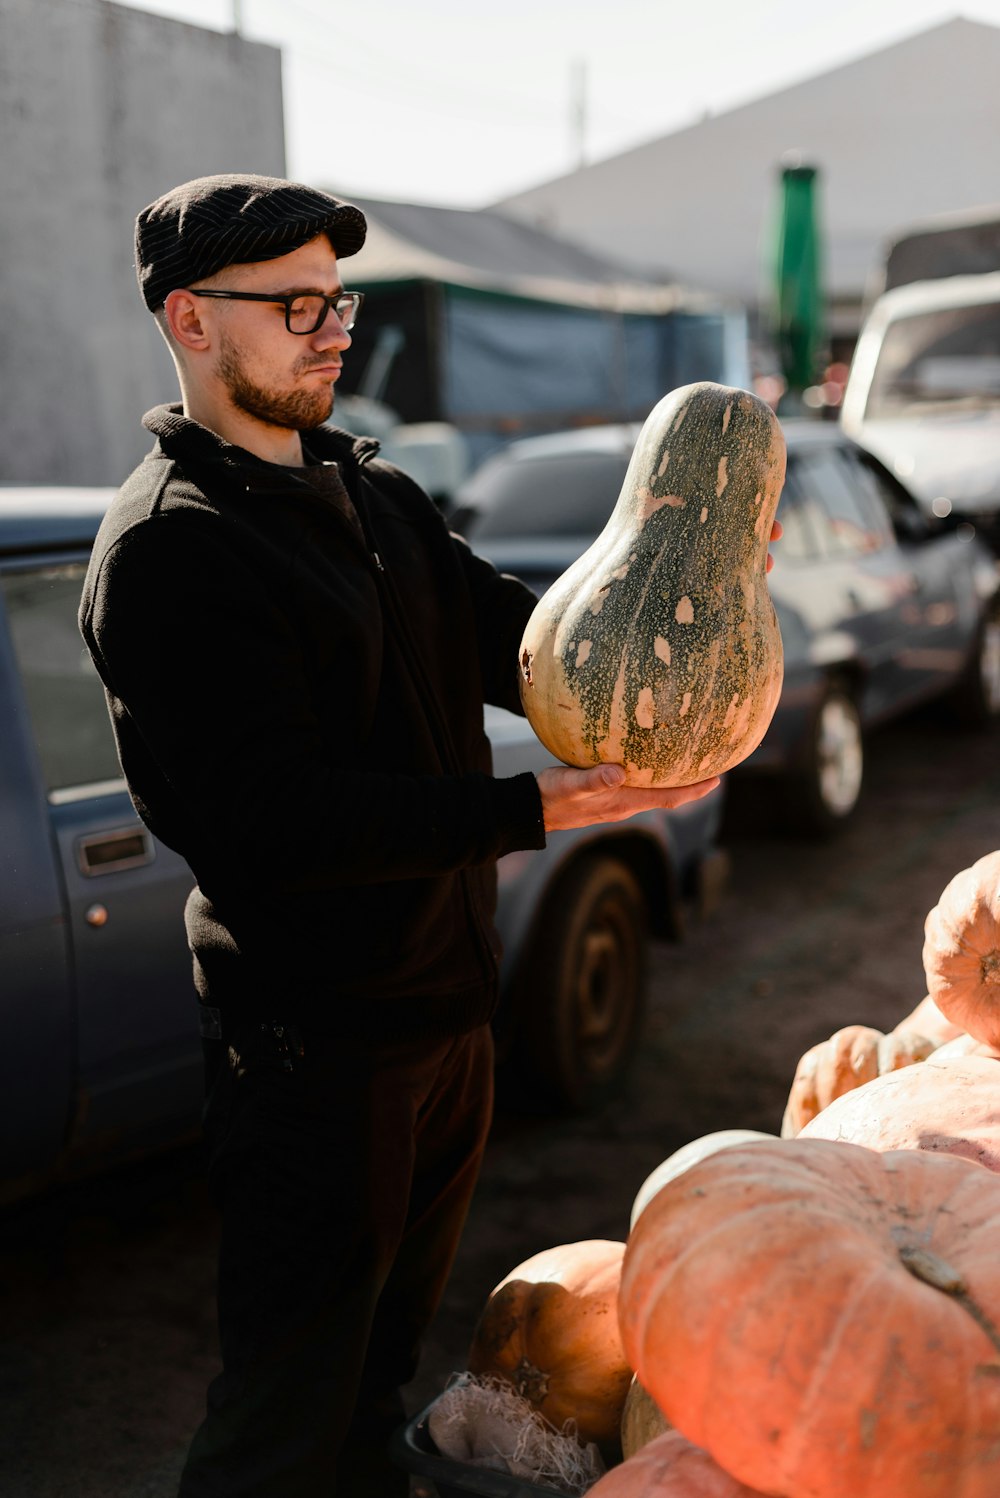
pixel 683 1158
pixel 949 1104
pixel 823 1319
pixel 962 950
pixel 659 648
pixel 550 1328
pixel 642 1420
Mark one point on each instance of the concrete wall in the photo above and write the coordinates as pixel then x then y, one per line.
pixel 102 109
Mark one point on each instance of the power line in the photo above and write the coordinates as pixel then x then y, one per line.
pixel 440 93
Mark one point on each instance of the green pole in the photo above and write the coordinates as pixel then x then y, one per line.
pixel 798 308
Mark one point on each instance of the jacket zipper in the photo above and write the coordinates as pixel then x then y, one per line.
pixel 439 728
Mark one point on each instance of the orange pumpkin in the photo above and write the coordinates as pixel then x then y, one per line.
pixel 550 1328
pixel 823 1319
pixel 947 1104
pixel 850 1057
pixel 670 1467
pixel 962 950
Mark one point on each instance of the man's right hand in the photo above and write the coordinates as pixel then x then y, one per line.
pixel 581 798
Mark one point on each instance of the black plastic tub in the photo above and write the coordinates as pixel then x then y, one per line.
pixel 413 1449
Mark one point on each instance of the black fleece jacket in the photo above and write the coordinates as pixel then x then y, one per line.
pixel 298 711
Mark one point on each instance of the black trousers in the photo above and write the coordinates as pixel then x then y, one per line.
pixel 343 1174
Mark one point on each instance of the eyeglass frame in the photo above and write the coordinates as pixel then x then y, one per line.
pixel 287 298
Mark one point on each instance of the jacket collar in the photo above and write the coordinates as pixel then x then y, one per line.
pixel 184 439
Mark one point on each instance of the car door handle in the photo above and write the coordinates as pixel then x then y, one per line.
pixel 107 852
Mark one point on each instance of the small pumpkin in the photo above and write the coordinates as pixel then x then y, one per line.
pixel 550 1328
pixel 962 950
pixel 948 1104
pixel 642 1419
pixel 852 1056
pixel 683 1158
pixel 659 648
pixel 823 1319
pixel 670 1467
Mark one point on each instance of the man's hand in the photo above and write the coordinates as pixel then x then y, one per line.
pixel 579 798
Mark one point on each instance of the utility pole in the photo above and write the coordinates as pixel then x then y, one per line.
pixel 238 17
pixel 578 111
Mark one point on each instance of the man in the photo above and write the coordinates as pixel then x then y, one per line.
pixel 296 653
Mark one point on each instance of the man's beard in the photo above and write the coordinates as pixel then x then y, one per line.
pixel 295 410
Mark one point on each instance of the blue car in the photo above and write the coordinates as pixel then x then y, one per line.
pixel 100 1057
pixel 880 606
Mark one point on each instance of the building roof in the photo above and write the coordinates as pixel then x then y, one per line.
pixel 493 251
pixel 899 135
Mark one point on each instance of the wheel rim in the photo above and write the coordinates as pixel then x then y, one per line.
pixel 604 992
pixel 989 665
pixel 839 756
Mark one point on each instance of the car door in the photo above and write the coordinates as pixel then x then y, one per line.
pixel 864 568
pixel 940 613
pixel 137 1051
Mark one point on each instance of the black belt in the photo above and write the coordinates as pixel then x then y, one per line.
pixel 281 1040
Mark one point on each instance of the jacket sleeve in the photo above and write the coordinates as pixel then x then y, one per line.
pixel 503 605
pixel 214 723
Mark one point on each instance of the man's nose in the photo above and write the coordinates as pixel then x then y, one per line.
pixel 331 332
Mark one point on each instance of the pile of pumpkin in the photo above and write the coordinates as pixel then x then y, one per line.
pixel 811 1315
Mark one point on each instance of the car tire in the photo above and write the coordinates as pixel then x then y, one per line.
pixel 976 698
pixel 823 791
pixel 581 989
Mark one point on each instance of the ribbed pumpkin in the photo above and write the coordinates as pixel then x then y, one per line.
pixel 659 649
pixel 823 1319
pixel 949 1105
pixel 550 1328
pixel 850 1057
pixel 962 950
pixel 670 1467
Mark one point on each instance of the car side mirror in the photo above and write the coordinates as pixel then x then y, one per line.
pixel 911 525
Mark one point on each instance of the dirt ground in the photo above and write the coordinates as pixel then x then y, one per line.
pixel 107 1335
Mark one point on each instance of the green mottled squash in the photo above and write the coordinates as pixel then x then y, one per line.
pixel 659 649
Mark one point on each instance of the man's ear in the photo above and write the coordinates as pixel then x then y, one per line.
pixel 183 314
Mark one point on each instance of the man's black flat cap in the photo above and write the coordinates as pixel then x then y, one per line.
pixel 203 226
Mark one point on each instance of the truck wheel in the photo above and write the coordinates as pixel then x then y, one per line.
pixel 581 995
pixel 976 698
pixel 823 792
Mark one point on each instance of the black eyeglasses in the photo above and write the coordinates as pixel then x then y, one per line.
pixel 305 312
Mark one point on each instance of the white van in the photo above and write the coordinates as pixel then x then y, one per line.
pixel 924 393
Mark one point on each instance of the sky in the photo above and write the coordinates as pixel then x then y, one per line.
pixel 461 102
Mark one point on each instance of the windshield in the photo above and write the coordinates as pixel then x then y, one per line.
pixel 938 359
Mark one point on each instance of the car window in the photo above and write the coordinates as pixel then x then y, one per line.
pixel 850 520
pixel 949 356
pixel 801 530
pixel 69 716
pixel 884 494
pixel 569 495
